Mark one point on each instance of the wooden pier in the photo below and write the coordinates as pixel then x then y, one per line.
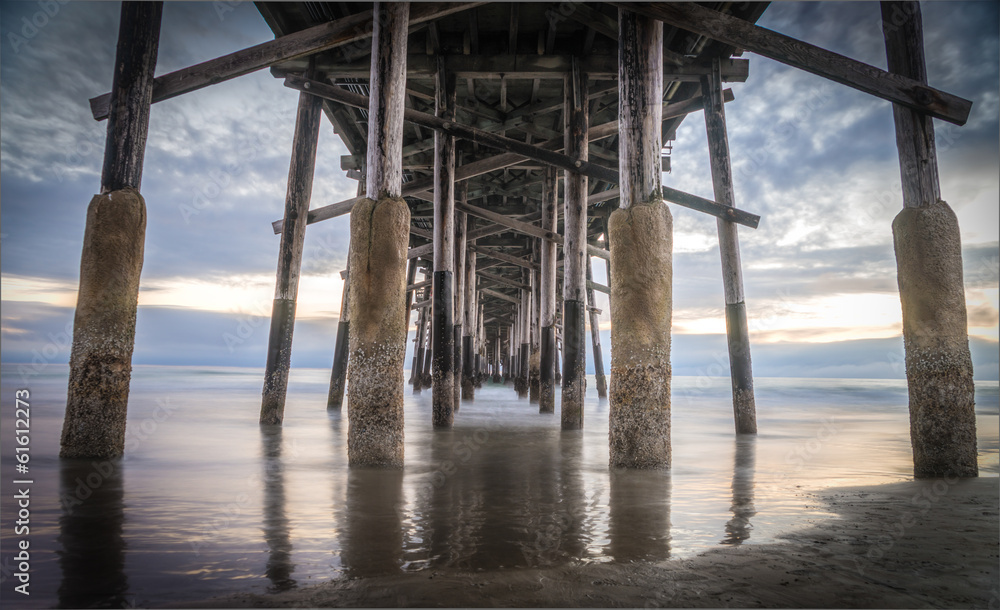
pixel 498 148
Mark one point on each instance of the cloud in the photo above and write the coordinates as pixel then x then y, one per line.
pixel 816 159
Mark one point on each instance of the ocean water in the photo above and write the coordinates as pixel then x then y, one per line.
pixel 208 503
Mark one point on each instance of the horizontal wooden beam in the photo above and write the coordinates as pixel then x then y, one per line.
pixel 526 67
pixel 419 285
pixel 844 70
pixel 504 257
pixel 499 295
pixel 306 42
pixel 428 249
pixel 496 162
pixel 599 288
pixel 502 280
pixel 422 304
pixel 458 130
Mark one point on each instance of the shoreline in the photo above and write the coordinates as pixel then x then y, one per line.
pixel 917 543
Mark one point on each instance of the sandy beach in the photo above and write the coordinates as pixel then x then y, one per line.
pixel 915 544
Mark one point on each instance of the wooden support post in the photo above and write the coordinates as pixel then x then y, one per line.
pixel 293 235
pixel 469 314
pixel 524 325
pixel 595 334
pixel 547 296
pixel 338 374
pixel 737 331
pixel 443 333
pixel 380 231
pixel 641 238
pixel 100 366
pixel 461 223
pixel 534 342
pixel 574 378
pixel 417 368
pixel 929 271
pixel 428 353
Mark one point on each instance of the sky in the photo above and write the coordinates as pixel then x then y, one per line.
pixel 815 159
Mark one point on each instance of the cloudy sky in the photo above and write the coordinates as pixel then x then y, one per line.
pixel 815 159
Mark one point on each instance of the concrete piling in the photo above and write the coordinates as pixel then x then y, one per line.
pixel 935 334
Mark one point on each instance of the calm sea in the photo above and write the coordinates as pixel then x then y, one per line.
pixel 207 503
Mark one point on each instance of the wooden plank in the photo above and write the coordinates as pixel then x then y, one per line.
pixel 730 30
pixel 498 295
pixel 504 257
pixel 418 285
pixel 591 285
pixel 296 45
pixel 506 281
pixel 519 67
pixel 453 128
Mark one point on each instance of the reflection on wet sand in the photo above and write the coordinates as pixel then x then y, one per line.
pixel 744 465
pixel 276 532
pixel 639 515
pixel 479 509
pixel 92 558
pixel 371 527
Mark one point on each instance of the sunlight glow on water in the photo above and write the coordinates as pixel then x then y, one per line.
pixel 207 503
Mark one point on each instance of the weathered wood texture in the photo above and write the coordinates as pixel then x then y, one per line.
pixel 737 333
pixel 896 88
pixel 386 103
pixel 547 321
pixel 301 44
pixel 461 227
pixel 131 95
pixel 640 90
pixel 469 321
pixel 338 373
pixel 902 27
pixel 443 333
pixel 574 382
pixel 293 234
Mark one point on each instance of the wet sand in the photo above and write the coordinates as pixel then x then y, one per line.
pixel 914 544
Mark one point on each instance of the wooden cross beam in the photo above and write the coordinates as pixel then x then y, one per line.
pixel 517 152
pixel 506 258
pixel 502 280
pixel 306 42
pixel 499 295
pixel 844 70
pixel 525 67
